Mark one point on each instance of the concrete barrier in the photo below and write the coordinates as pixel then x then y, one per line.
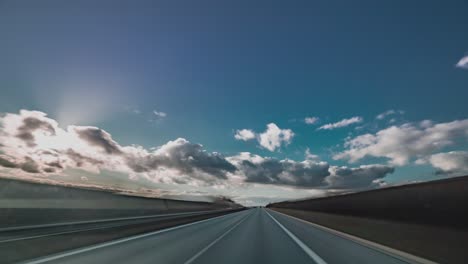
pixel 440 202
pixel 26 203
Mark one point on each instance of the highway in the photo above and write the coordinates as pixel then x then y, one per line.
pixel 251 236
pixel 21 243
pixel 11 234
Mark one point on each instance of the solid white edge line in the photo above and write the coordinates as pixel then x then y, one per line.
pixel 192 259
pixel 301 244
pixel 118 241
pixel 401 255
pixel 57 234
pixel 20 228
pixel 94 228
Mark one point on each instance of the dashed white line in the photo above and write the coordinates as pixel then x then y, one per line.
pixel 301 244
pixel 115 242
pixel 192 259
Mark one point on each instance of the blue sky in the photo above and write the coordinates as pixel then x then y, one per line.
pixel 215 67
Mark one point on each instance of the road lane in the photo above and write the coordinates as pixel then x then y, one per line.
pixel 250 236
pixel 333 248
pixel 30 232
pixel 256 240
pixel 317 259
pixel 196 256
pixel 173 245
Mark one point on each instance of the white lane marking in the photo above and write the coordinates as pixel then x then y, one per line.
pixel 16 228
pixel 304 247
pixel 91 228
pixel 192 259
pixel 68 232
pixel 56 234
pixel 401 255
pixel 119 241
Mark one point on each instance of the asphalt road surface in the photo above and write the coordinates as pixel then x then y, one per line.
pixel 250 236
pixel 19 233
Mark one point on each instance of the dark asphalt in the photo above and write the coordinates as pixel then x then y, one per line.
pixel 251 236
pixel 12 234
pixel 24 243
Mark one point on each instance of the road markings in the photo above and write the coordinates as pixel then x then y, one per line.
pixel 16 228
pixel 301 244
pixel 58 233
pixel 192 259
pixel 98 228
pixel 118 241
pixel 369 244
pixel 70 232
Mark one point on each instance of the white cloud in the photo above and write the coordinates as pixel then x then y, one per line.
pixel 450 162
pixel 244 134
pixel 274 137
pixel 307 173
pixel 384 114
pixel 402 143
pixel 342 123
pixel 265 170
pixel 311 120
pixel 463 63
pixel 35 146
pixel 310 156
pixel 34 143
pixel 388 113
pixel 159 114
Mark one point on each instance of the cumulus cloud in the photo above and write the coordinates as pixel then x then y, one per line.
pixel 34 143
pixel 257 169
pixel 463 63
pixel 308 173
pixel 453 162
pixel 4 162
pixel 311 120
pixel 182 156
pixel 244 134
pixel 388 113
pixel 360 177
pixel 31 124
pixel 402 143
pixel 343 123
pixel 274 137
pixel 49 150
pixel 99 138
